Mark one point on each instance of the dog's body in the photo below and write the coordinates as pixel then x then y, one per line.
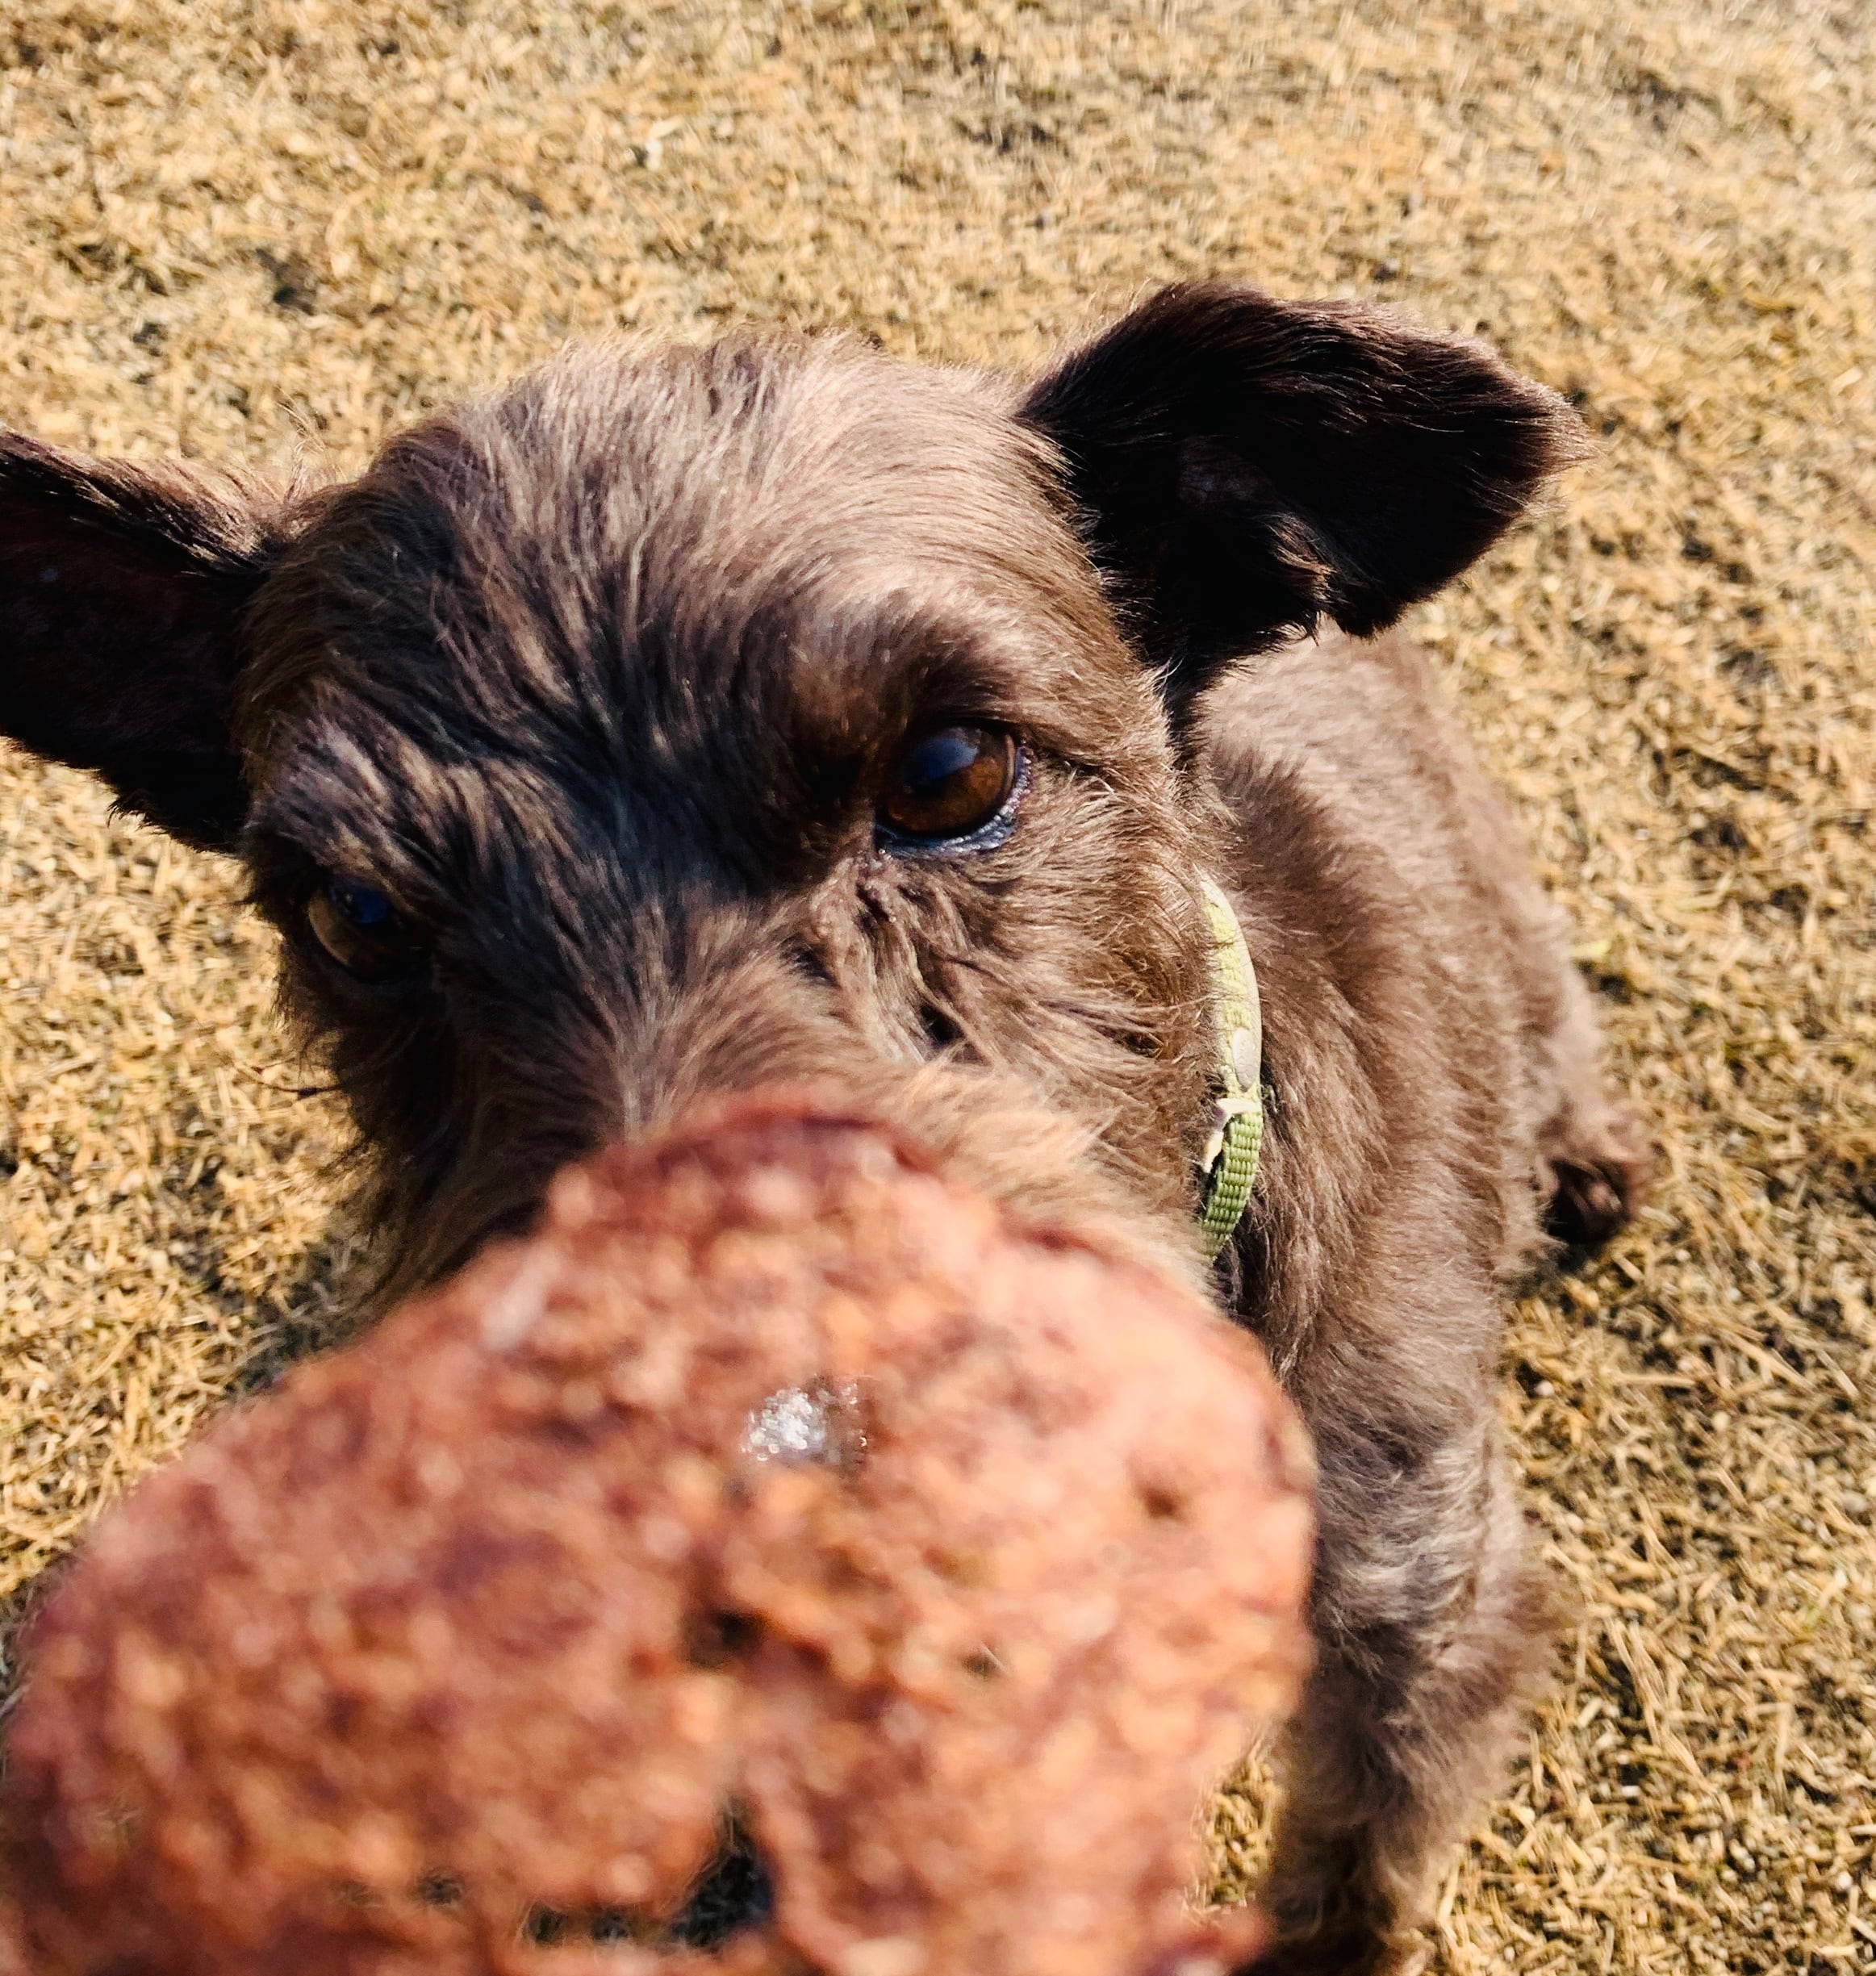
pixel 1430 1053
pixel 681 720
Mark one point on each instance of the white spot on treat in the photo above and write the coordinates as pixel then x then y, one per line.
pixel 1094 1619
pixel 509 1315
pixel 819 1422
pixel 665 1538
pixel 886 1955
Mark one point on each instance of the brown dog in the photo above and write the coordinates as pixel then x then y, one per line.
pixel 681 719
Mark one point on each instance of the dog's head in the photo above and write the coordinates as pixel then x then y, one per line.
pixel 678 719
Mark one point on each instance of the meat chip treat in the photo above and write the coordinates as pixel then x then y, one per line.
pixel 774 1481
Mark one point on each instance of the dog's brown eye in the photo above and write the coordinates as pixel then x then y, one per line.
pixel 950 785
pixel 360 929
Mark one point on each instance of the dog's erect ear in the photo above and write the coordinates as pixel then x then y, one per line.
pixel 121 593
pixel 1245 467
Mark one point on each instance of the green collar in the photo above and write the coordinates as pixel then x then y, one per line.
pixel 1230 1161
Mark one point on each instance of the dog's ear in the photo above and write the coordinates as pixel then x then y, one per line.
pixel 1244 467
pixel 122 589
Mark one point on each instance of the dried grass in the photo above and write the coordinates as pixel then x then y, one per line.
pixel 240 228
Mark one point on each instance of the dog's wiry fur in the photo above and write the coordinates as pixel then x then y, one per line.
pixel 598 679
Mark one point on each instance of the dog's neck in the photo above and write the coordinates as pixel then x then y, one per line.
pixel 1229 1160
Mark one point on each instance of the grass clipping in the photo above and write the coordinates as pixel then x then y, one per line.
pixel 244 229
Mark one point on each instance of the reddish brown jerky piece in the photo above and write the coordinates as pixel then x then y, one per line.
pixel 773 1472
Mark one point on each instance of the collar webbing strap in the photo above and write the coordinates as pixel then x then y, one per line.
pixel 1230 1161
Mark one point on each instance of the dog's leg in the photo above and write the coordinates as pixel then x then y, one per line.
pixel 1592 1152
pixel 1431 1623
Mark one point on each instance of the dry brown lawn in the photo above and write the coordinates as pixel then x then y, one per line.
pixel 244 229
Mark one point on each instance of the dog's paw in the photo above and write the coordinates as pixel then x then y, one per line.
pixel 1594 1189
pixel 1331 1921
pixel 1343 1952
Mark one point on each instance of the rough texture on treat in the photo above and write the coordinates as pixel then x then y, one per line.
pixel 773 1479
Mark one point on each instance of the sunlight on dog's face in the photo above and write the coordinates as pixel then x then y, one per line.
pixel 672 724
